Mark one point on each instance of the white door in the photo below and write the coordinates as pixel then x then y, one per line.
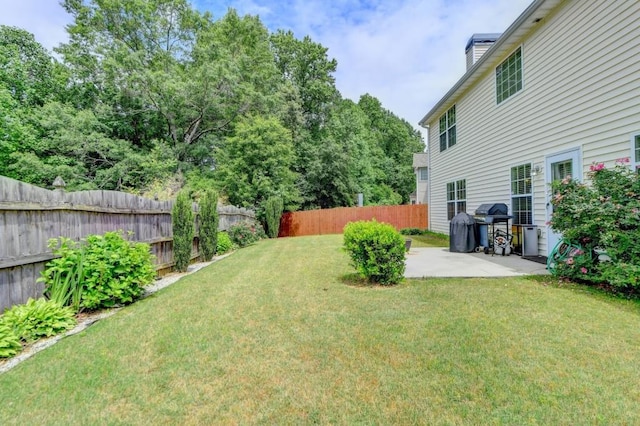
pixel 559 166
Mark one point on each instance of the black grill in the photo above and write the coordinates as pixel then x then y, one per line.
pixel 492 213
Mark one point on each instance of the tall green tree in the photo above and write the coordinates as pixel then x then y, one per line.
pixel 394 143
pixel 255 164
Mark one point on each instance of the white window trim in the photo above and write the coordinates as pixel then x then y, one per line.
pixel 455 200
pixel 635 165
pixel 504 101
pixel 420 177
pixel 511 196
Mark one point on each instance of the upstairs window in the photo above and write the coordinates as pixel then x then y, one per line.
pixel 509 76
pixel 448 129
pixel 423 173
pixel 456 198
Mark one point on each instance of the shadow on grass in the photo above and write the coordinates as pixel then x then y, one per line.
pixel 356 280
pixel 602 292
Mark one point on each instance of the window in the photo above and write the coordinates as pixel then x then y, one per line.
pixel 456 198
pixel 448 129
pixel 636 152
pixel 521 197
pixel 509 76
pixel 423 173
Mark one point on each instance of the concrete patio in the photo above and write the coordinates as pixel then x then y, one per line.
pixel 439 262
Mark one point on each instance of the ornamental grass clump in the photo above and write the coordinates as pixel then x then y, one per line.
pixel 602 222
pixel 377 251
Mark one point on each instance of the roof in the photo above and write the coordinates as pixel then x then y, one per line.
pixel 420 159
pixel 481 39
pixel 512 37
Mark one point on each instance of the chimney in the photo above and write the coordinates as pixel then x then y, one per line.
pixel 477 45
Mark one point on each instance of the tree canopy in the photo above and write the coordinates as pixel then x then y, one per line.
pixel 148 91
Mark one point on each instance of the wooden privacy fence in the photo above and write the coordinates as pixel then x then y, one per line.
pixel 332 221
pixel 30 216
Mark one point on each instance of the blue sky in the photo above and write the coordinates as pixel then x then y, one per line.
pixel 406 53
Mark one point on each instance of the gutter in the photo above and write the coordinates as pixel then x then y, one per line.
pixel 471 75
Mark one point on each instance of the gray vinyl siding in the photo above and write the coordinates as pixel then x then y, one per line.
pixel 581 88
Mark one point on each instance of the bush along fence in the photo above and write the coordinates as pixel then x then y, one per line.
pixel 30 216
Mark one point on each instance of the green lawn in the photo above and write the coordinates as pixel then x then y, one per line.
pixel 274 335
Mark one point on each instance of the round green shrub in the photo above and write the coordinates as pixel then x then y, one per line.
pixel 208 224
pixel 183 231
pixel 377 251
pixel 224 243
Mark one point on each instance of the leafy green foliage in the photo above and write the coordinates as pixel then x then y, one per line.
pixel 183 231
pixel 597 219
pixel 273 211
pixel 256 164
pixel 224 243
pixel 64 275
pixel 412 231
pixel 208 224
pixel 245 233
pixel 9 342
pixel 377 251
pixel 38 318
pixel 114 271
pixel 148 91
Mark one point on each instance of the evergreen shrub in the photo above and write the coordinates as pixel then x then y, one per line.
pixel 273 211
pixel 208 224
pixel 377 251
pixel 183 231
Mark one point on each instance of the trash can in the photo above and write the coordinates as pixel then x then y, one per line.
pixel 529 240
pixel 483 234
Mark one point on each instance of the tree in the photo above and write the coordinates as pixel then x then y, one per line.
pixel 255 164
pixel 394 143
pixel 26 69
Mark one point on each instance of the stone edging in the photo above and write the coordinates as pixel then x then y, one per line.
pixel 82 325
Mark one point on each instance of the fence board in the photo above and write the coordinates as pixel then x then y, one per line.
pixel 332 221
pixel 30 216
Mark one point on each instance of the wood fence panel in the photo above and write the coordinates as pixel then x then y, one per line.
pixel 332 221
pixel 30 216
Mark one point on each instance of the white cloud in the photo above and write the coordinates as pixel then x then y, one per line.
pixel 407 53
pixel 45 19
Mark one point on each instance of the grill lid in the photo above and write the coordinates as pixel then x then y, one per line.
pixel 492 209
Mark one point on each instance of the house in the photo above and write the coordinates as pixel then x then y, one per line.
pixel 421 170
pixel 556 92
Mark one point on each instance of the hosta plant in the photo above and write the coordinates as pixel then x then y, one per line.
pixel 38 318
pixel 9 342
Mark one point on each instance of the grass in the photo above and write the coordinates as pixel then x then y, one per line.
pixel 273 334
pixel 429 239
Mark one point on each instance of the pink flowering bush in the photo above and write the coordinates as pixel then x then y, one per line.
pixel 601 217
pixel 247 232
